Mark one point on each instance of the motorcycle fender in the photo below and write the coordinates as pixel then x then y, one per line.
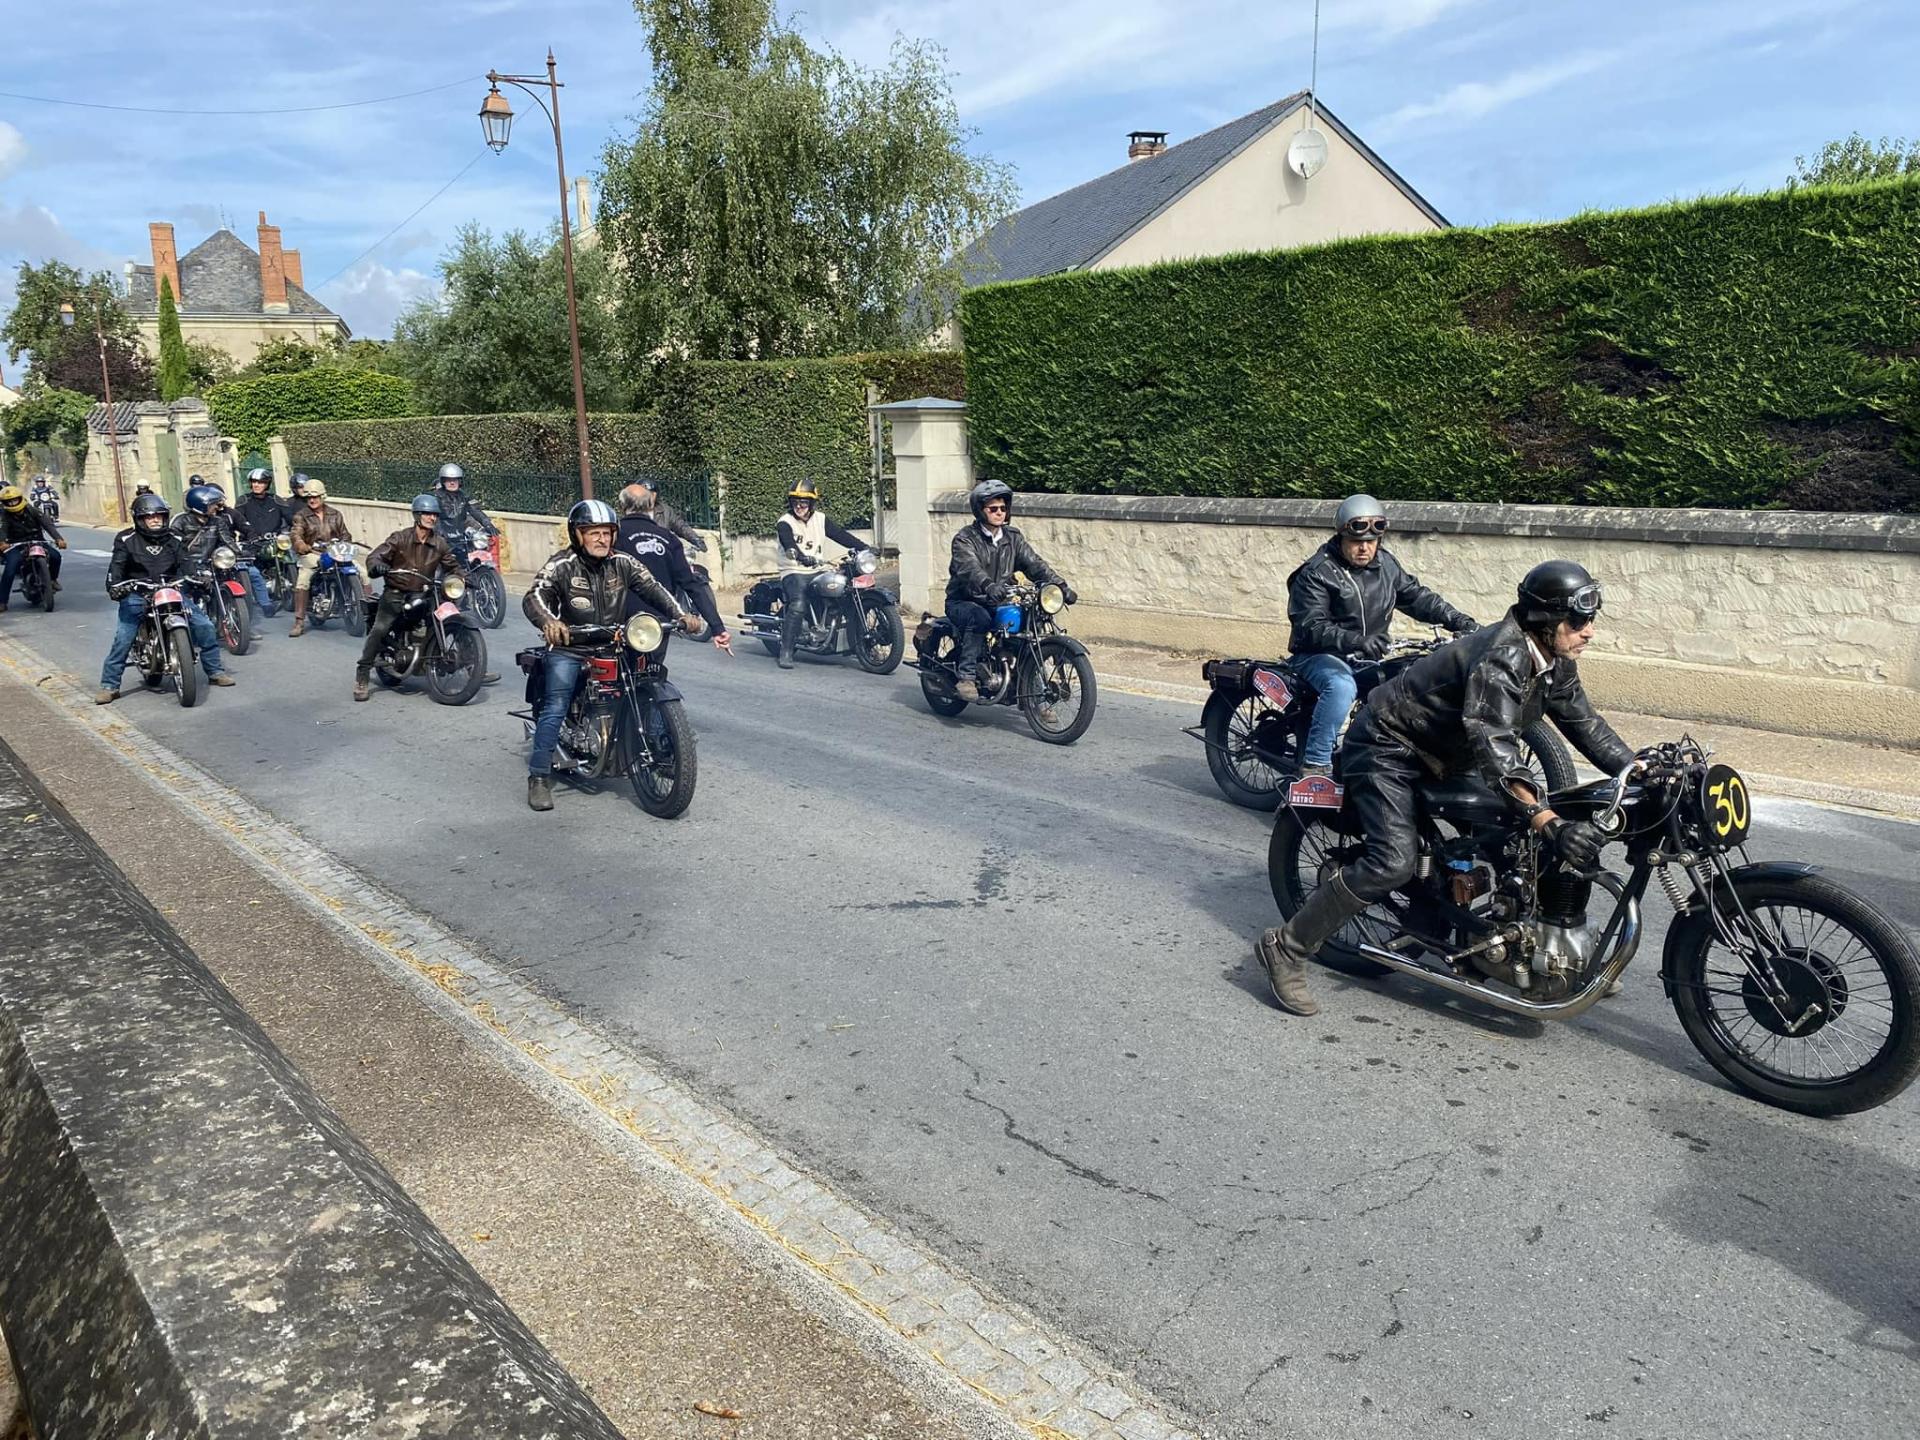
pixel 1679 931
pixel 885 596
pixel 173 622
pixel 660 691
pixel 1073 646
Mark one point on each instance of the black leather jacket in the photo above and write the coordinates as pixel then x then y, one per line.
pixel 203 534
pixel 458 513
pixel 579 590
pixel 1335 608
pixel 667 562
pixel 979 567
pixel 1462 708
pixel 674 523
pixel 27 523
pixel 259 516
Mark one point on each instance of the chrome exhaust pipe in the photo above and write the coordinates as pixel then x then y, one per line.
pixel 1565 1008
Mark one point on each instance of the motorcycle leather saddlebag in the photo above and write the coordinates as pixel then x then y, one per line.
pixel 534 662
pixel 1226 674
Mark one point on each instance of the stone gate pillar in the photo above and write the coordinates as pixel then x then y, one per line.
pixel 930 458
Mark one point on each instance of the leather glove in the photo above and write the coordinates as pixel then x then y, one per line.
pixel 555 632
pixel 1465 625
pixel 1577 842
pixel 1072 596
pixel 1373 647
pixel 997 594
pixel 119 590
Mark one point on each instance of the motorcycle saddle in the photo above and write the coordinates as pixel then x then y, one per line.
pixel 1463 798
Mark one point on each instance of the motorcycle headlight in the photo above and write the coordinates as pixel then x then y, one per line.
pixel 453 587
pixel 644 633
pixel 1052 599
pixel 866 562
pixel 223 558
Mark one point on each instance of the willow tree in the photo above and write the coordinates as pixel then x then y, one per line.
pixel 777 200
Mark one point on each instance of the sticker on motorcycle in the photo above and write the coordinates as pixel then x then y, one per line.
pixel 863 582
pixel 1272 688
pixel 446 611
pixel 1316 792
pixel 1728 807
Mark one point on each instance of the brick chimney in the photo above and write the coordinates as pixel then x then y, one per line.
pixel 1145 144
pixel 273 271
pixel 290 263
pixel 166 264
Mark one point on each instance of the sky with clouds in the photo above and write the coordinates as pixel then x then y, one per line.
pixel 1494 109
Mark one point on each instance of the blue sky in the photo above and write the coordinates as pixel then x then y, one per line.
pixel 1494 109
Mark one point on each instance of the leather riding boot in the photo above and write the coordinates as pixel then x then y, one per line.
pixel 1285 952
pixel 539 792
pixel 361 678
pixel 299 613
pixel 789 634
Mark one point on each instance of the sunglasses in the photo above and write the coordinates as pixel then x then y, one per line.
pixel 999 505
pixel 1366 529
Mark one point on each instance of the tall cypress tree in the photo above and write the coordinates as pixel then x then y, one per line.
pixel 175 371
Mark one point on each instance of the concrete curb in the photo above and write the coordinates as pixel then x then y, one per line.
pixel 929 1321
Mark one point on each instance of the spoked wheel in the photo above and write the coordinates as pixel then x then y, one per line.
pixel 352 593
pixel 661 770
pixel 1546 755
pixel 235 627
pixel 488 594
pixel 1305 854
pixel 1844 1036
pixel 186 669
pixel 454 674
pixel 881 641
pixel 1231 725
pixel 1059 694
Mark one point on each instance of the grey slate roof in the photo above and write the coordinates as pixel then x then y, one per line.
pixel 124 421
pixel 221 276
pixel 1076 227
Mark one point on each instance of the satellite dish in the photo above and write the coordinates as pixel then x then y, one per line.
pixel 1306 153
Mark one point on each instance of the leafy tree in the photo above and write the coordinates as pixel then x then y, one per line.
pixel 46 416
pixel 175 377
pixel 379 356
pixel 776 200
pixel 207 366
pixel 34 324
pixel 74 364
pixel 1856 158
pixel 496 339
pixel 286 355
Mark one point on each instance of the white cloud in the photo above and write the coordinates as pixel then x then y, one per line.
pixel 13 149
pixel 370 296
pixel 1477 98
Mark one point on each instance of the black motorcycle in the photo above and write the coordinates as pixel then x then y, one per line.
pixel 625 719
pixel 432 639
pixel 163 645
pixel 272 556
pixel 222 596
pixel 1255 723
pixel 1030 662
pixel 486 596
pixel 1797 990
pixel 847 612
pixel 36 575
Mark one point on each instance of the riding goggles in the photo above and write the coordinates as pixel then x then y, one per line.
pixel 1584 603
pixel 1366 529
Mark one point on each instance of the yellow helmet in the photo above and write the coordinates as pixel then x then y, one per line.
pixel 12 499
pixel 803 490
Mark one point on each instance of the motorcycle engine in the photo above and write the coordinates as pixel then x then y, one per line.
pixel 994 679
pixel 584 743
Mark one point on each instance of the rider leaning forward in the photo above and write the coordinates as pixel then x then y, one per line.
pixel 1341 602
pixel 1458 711
pixel 418 550
pixel 588 583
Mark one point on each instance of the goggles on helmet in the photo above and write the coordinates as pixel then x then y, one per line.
pixel 1370 527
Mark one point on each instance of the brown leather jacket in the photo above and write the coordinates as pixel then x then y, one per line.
pixel 402 550
pixel 311 530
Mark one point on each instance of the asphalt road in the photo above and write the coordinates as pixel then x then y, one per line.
pixel 1002 993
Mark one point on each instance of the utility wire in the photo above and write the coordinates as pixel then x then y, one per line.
pixel 396 229
pixel 275 110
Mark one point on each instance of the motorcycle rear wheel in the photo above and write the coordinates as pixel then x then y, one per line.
pixel 187 678
pixel 454 678
pixel 663 787
pixel 1840 951
pixel 1303 848
pixel 1243 777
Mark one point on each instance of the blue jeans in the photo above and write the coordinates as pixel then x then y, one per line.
pixel 15 557
pixel 132 607
pixel 1332 679
pixel 258 584
pixel 562 678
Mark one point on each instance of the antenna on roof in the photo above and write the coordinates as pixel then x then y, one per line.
pixel 1307 151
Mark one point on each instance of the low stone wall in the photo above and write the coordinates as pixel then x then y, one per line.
pixel 1797 622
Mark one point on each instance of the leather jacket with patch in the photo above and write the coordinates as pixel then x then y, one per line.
pixel 979 567
pixel 152 558
pixel 1336 608
pixel 1462 708
pixel 402 550
pixel 577 589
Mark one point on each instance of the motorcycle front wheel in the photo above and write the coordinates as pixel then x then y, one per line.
pixel 1059 695
pixel 1827 948
pixel 352 607
pixel 663 780
pixel 880 640
pixel 454 675
pixel 42 590
pixel 1305 854
pixel 186 669
pixel 488 594
pixel 235 627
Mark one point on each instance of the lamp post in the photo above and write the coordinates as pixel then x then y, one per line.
pixel 106 388
pixel 496 121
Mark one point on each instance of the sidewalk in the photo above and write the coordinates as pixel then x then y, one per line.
pixel 652 1310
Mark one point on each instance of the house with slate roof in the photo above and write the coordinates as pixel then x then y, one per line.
pixel 1221 193
pixel 228 293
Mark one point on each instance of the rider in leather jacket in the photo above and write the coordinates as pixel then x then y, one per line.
pixel 1341 602
pixel 149 553
pixel 1458 711
pixel 458 513
pixel 986 556
pixel 261 514
pixel 20 525
pixel 419 549
pixel 588 583
pixel 648 541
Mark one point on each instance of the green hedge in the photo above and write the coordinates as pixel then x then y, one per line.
pixel 1740 352
pixel 760 424
pixel 252 411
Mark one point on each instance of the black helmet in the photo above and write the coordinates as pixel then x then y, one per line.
pixel 451 471
pixel 803 490
pixel 424 504
pixel 987 490
pixel 259 475
pixel 585 513
pixel 1557 590
pixel 145 504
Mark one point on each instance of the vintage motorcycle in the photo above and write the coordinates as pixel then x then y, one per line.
pixel 338 589
pixel 486 593
pixel 1254 724
pixel 36 575
pixel 222 596
pixel 847 612
pixel 1797 990
pixel 434 640
pixel 163 645
pixel 625 719
pixel 272 556
pixel 1030 662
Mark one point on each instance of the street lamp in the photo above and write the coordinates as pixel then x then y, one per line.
pixel 496 123
pixel 106 389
